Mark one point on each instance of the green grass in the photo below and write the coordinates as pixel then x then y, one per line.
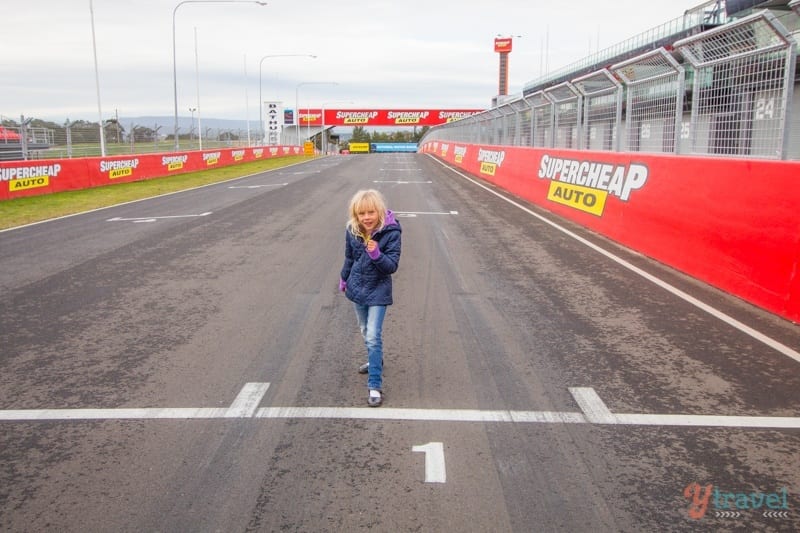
pixel 21 211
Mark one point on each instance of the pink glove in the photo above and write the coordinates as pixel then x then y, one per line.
pixel 342 285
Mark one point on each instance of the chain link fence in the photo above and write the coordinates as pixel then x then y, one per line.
pixel 655 87
pixel 19 140
pixel 742 89
pixel 727 91
pixel 602 110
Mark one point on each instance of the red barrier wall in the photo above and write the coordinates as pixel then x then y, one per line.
pixel 30 178
pixel 732 223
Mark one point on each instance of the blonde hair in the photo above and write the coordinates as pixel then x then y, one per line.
pixel 363 200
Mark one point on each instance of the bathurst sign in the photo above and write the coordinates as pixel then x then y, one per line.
pixel 382 117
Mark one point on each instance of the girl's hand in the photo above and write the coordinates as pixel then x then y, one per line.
pixel 372 249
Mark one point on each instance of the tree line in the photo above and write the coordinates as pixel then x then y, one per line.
pixel 83 131
pixel 360 134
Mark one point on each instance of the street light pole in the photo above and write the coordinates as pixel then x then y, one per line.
pixel 97 86
pixel 174 54
pixel 260 99
pixel 297 108
pixel 246 103
pixel 191 137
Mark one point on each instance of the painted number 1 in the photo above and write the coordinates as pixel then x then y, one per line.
pixel 434 461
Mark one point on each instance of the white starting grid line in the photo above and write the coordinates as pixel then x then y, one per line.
pixel 400 182
pixel 153 219
pixel 413 214
pixel 592 411
pixel 257 186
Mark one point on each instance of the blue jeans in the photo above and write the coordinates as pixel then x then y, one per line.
pixel 370 320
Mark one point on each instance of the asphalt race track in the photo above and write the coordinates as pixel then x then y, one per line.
pixel 186 364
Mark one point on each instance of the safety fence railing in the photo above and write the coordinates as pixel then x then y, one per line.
pixel 602 110
pixel 542 120
pixel 20 141
pixel 742 90
pixel 723 92
pixel 655 83
pixel 566 114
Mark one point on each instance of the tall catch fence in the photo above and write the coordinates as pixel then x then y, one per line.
pixel 21 141
pixel 726 92
pixel 742 90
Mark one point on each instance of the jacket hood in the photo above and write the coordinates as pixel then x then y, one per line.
pixel 390 223
pixel 390 219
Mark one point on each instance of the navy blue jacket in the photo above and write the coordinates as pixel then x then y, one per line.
pixel 369 281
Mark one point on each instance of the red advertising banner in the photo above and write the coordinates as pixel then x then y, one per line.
pixel 729 222
pixel 382 117
pixel 30 178
pixel 502 45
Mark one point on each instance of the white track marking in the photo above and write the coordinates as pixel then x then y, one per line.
pixel 747 330
pixel 751 422
pixel 592 406
pixel 152 219
pixel 400 414
pixel 415 213
pixel 257 186
pixel 594 411
pixel 247 401
pixel 434 461
pixel 400 182
pixel 433 415
pixel 155 413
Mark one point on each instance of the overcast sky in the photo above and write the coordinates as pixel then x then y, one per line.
pixel 380 53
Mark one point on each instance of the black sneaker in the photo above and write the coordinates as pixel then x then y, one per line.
pixel 363 369
pixel 375 398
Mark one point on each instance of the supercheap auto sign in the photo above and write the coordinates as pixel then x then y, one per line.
pixel 382 117
pixel 28 178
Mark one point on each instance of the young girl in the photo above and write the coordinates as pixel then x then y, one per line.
pixel 371 256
